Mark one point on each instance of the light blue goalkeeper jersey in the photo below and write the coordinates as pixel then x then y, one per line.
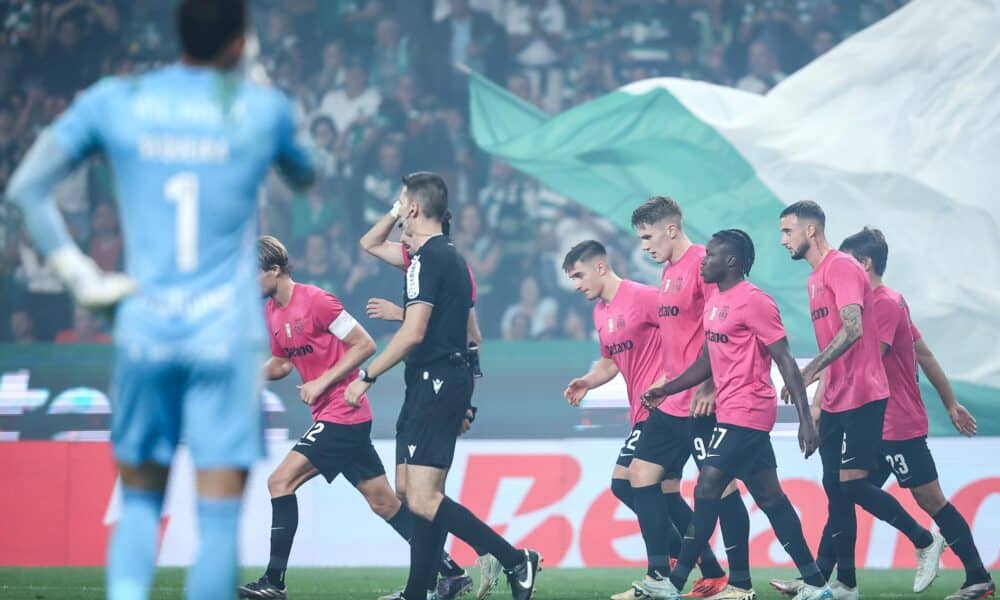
pixel 189 148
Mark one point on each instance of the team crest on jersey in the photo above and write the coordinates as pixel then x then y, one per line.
pixel 616 323
pixel 673 285
pixel 723 312
pixel 815 289
pixel 413 278
pixel 288 329
pixel 297 327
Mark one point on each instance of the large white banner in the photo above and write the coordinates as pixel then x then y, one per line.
pixel 555 496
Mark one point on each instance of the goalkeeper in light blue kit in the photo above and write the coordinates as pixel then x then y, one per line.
pixel 189 146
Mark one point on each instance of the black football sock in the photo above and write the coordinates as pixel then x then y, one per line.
pixel 284 522
pixel 843 525
pixel 706 515
pixel 423 559
pixel 826 556
pixel 622 490
pixel 788 530
pixel 681 515
pixel 734 521
pixel 654 522
pixel 440 535
pixel 958 536
pixel 402 522
pixel 449 568
pixel 459 521
pixel 886 508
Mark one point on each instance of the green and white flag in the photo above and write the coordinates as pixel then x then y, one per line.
pixel 898 128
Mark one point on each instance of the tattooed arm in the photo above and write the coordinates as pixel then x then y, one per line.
pixel 850 332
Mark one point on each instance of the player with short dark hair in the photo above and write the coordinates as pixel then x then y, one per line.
pixel 454 580
pixel 189 145
pixel 433 339
pixel 310 331
pixel 743 334
pixel 628 329
pixel 904 434
pixel 683 424
pixel 854 397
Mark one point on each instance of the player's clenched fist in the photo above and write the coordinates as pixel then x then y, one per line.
pixel 576 390
pixel 354 392
pixel 311 390
pixel 380 308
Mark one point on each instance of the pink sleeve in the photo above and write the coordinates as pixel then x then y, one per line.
pixel 325 308
pixel 887 314
pixel 764 318
pixel 846 281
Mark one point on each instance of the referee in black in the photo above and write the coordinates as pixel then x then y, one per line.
pixel 432 338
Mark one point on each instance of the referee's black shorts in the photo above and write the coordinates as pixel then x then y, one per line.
pixel 437 398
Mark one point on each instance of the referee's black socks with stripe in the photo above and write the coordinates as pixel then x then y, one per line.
pixel 459 521
pixel 284 522
pixel 958 536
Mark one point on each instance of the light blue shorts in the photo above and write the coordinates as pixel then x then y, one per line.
pixel 213 406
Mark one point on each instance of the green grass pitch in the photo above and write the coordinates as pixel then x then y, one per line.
pixel 370 583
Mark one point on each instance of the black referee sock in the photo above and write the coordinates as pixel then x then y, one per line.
pixel 440 535
pixel 681 515
pixel 735 524
pixel 788 530
pixel 458 520
pixel 284 522
pixel 654 522
pixel 706 515
pixel 886 508
pixel 423 559
pixel 402 522
pixel 958 536
pixel 449 568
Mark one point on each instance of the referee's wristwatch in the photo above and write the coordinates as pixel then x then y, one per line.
pixel 363 376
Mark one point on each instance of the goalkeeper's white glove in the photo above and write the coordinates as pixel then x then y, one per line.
pixel 91 287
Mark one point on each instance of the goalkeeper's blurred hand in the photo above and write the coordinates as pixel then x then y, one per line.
pixel 91 287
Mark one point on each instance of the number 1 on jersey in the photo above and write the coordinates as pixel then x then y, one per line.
pixel 182 190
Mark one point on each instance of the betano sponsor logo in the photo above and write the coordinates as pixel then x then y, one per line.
pixel 552 496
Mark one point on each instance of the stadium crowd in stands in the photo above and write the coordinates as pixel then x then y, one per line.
pixel 376 91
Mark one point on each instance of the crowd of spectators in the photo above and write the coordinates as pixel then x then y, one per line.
pixel 376 90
